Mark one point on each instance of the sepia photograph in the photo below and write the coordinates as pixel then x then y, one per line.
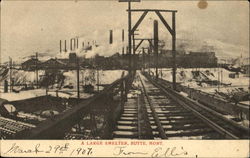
pixel 124 72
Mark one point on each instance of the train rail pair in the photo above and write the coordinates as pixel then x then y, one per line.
pixel 161 113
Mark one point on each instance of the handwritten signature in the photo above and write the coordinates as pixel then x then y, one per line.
pixel 120 150
pixel 157 152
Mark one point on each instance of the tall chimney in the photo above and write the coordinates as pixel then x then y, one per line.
pixel 60 46
pixel 122 35
pixel 123 41
pixel 83 44
pixel 77 43
pixel 110 36
pixel 74 43
pixel 65 46
pixel 71 44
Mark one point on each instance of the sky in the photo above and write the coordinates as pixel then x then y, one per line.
pixel 38 26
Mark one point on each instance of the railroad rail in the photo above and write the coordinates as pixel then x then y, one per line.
pixel 155 111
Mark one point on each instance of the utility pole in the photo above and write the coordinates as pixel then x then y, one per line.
pixel 36 70
pixel 10 67
pixel 123 42
pixel 156 47
pixel 149 60
pixel 77 73
pixel 143 58
pixel 97 78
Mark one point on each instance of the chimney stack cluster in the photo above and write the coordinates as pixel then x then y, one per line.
pixel 73 44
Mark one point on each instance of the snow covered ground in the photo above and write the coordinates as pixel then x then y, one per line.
pixel 23 94
pixel 186 77
pixel 86 77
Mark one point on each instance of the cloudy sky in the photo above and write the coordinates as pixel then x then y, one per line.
pixel 37 26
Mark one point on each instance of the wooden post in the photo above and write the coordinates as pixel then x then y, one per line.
pixel 173 50
pixel 156 47
pixel 77 77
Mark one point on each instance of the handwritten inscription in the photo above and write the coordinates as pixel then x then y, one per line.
pixel 67 149
pixel 157 152
pixel 56 149
pixel 121 150
pixel 169 152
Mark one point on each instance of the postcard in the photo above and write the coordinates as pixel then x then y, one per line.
pixel 124 78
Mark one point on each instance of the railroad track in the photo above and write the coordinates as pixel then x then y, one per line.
pixel 160 113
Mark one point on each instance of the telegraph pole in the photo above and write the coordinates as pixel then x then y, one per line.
pixel 123 42
pixel 36 70
pixel 10 67
pixel 149 60
pixel 77 73
pixel 143 59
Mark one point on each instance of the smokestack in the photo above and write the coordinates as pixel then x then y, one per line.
pixel 122 35
pixel 77 43
pixel 74 43
pixel 60 46
pixel 156 47
pixel 83 44
pixel 71 44
pixel 110 36
pixel 65 46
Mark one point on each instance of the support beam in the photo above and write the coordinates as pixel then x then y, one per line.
pixel 156 47
pixel 139 44
pixel 129 39
pixel 138 39
pixel 151 10
pixel 165 22
pixel 139 21
pixel 150 43
pixel 173 50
